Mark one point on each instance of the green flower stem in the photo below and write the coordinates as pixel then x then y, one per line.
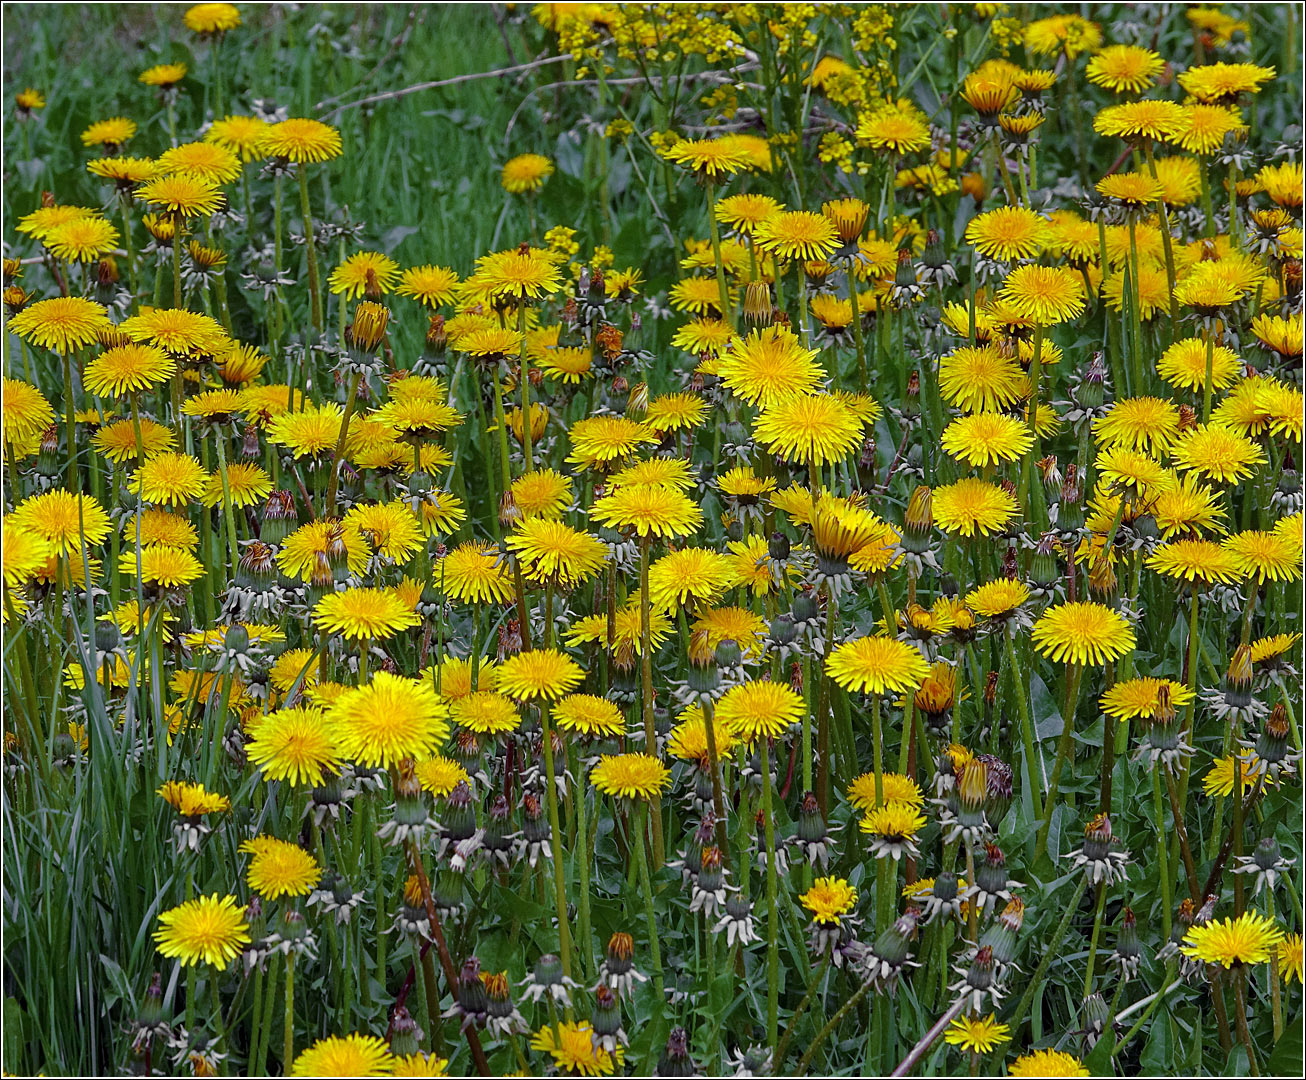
pixel 830 1025
pixel 70 419
pixel 718 797
pixel 288 1043
pixel 260 1052
pixel 583 868
pixel 230 514
pixel 772 908
pixel 1097 933
pixel 555 841
pixel 523 374
pixel 1050 953
pixel 1032 759
pixel 1166 243
pixel 798 1014
pixel 726 311
pixel 1074 672
pixel 1163 862
pixel 1035 377
pixel 333 483
pixel 646 887
pixel 646 688
pixel 1206 386
pixel 1240 1006
pixel 501 422
pixel 862 383
pixel 314 287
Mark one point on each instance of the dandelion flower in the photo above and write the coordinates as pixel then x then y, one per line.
pixel 555 554
pixel 760 710
pixel 209 930
pixel 302 141
pixel 541 674
pixel 526 173
pixel 1047 1063
pixel 1046 295
pixel 877 665
pixel 351 1055
pixel 979 378
pixel 279 868
pixel 630 776
pixel 588 715
pixel 364 273
pixel 1246 939
pixel 1216 453
pixel 1009 233
pixel 809 429
pixel 648 511
pixel 1082 633
pixel 770 365
pixel 63 520
pixel 986 438
pixel 1266 556
pixel 363 614
pixel 389 719
pixel 1124 69
pixel 294 746
pixel 473 574
pixel 62 325
pixel 1132 699
pixel 972 506
pixel 829 900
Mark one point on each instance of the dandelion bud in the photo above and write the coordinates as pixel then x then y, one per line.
pixel 999 788
pixel 675 1060
pixel 1000 935
pixel 934 256
pixel 991 689
pixel 1102 580
pixel 757 303
pixel 918 520
pixel 973 786
pixel 279 517
pixel 15 299
pixel 728 654
pixel 911 405
pixel 991 873
pixel 597 287
pixel 1272 744
pixel 509 514
pixel 405 1035
pixel 436 340
pixel 458 819
pixel 1095 1016
pixel 894 945
pixel 1043 569
pixel 369 325
pixel 1238 679
pixel 778 547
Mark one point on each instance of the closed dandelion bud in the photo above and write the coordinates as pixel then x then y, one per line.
pixel 405 1035
pixel 778 547
pixel 1272 743
pixel 904 276
pixel 982 974
pixel 991 874
pixel 811 825
pixel 1052 479
pixel 945 886
pixel 703 781
pixel 675 1060
pixel 1238 679
pixel 911 405
pixel 436 340
pixel 447 892
pixel 783 631
pixel 1102 580
pixel 279 518
pixel 1266 854
pixel 509 514
pixel 1000 935
pixel 1128 947
pixel 107 637
pixel 620 954
pixel 620 385
pixel 973 787
pixel 535 828
pixel 473 1001
pixel 893 947
pixel 106 272
pixel 369 325
pixel 151 1010
pixel 606 1019
pixel 1043 569
pixel 499 1004
pixel 867 459
pixel 806 608
pixel 47 455
pixel 548 971
pixel 735 530
pixel 458 815
pixel 934 256
pixel 757 303
pixel 1091 392
pixel 1095 1016
pixel 728 654
pixel 999 788
pixel 918 520
pixel 292 929
pixel 1292 276
pixel 991 689
pixel 597 286
pixel 498 827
